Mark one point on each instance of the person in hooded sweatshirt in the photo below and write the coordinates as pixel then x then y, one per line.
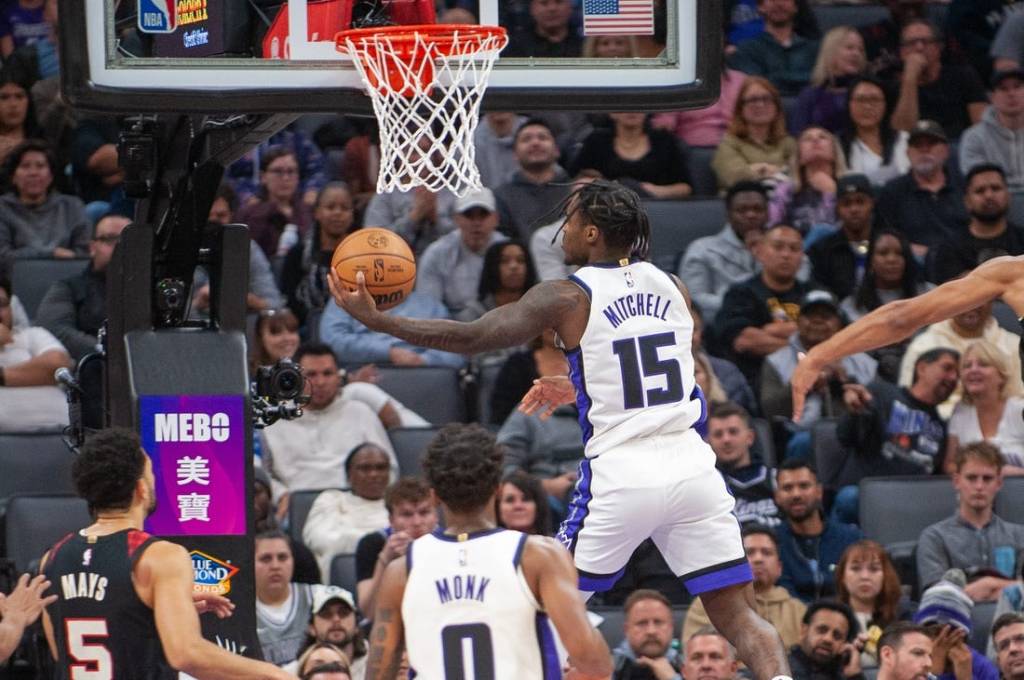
pixel 999 136
pixel 36 220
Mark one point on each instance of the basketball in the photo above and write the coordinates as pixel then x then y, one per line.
pixel 384 258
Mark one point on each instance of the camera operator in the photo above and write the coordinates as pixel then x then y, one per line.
pixel 309 453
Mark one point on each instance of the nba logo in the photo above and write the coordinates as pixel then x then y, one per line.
pixel 157 16
pixel 378 270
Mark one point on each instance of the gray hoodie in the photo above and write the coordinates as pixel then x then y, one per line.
pixel 33 232
pixel 989 142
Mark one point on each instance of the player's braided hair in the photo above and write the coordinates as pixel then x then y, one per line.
pixel 614 209
pixel 463 465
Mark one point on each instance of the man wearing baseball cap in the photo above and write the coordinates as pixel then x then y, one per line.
pixel 839 259
pixel 335 620
pixel 926 204
pixel 449 270
pixel 997 137
pixel 819 320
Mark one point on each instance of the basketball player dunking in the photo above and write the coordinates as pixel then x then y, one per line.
pixel 479 586
pixel 626 327
pixel 124 604
pixel 1001 277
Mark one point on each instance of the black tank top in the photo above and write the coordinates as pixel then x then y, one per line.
pixel 99 622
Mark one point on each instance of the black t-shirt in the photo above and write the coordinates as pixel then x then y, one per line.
pixel 752 303
pixel 896 435
pixel 751 486
pixel 948 260
pixel 97 605
pixel 368 552
pixel 663 164
pixel 923 217
pixel 945 100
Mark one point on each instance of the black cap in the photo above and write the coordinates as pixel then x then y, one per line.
pixel 1000 76
pixel 819 298
pixel 854 183
pixel 928 128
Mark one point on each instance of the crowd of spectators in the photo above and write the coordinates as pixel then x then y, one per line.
pixel 855 167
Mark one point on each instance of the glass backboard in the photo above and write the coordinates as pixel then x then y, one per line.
pixel 265 56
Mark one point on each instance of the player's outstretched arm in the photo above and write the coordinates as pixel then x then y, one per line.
pixel 165 571
pixel 897 320
pixel 546 305
pixel 388 636
pixel 20 609
pixel 551 575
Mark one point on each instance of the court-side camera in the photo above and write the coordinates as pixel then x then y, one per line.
pixel 282 381
pixel 277 393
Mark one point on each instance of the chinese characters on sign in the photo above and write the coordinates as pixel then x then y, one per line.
pixel 197 446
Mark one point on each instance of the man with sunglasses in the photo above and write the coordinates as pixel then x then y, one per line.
pixel 75 308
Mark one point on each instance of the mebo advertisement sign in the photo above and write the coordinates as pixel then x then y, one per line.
pixel 197 446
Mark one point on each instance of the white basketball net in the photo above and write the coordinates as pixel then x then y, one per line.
pixel 427 120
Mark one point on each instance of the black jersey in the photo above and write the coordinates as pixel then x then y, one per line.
pixel 102 629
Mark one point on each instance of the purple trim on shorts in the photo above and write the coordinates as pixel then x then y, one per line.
pixel 578 508
pixel 550 665
pixel 719 576
pixel 598 583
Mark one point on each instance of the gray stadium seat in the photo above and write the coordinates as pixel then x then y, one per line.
pixel 827 454
pixel 1010 501
pixel 410 443
pixel 30 279
pixel 830 16
pixel 485 379
pixel 702 176
pixel 34 463
pixel 32 525
pixel 611 627
pixel 918 502
pixel 343 572
pixel 434 392
pixel 1005 317
pixel 299 505
pixel 764 442
pixel 981 624
pixel 676 224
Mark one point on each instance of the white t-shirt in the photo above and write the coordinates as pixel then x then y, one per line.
pixel 864 160
pixel 1009 436
pixel 29 409
pixel 376 398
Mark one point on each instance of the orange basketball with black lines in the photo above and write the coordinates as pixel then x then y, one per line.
pixel 386 261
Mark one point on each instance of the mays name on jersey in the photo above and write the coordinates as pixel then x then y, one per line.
pixel 83 584
pixel 636 304
pixel 461 587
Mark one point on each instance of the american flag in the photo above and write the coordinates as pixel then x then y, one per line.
pixel 621 17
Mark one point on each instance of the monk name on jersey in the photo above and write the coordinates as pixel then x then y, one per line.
pixel 461 587
pixel 636 304
pixel 83 584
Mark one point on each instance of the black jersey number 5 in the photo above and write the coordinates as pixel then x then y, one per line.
pixel 471 640
pixel 90 659
pixel 638 358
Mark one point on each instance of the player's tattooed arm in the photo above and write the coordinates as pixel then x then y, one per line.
pixel 387 636
pixel 546 305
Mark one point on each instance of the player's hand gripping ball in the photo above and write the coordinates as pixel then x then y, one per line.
pixel 387 263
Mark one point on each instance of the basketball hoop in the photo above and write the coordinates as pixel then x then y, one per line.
pixel 426 82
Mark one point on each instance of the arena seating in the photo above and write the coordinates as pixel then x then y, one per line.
pixel 34 463
pixel 343 572
pixel 33 523
pixel 30 279
pixel 676 224
pixel 435 392
pixel 299 505
pixel 410 443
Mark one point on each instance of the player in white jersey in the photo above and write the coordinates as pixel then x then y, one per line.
pixel 473 600
pixel 626 329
